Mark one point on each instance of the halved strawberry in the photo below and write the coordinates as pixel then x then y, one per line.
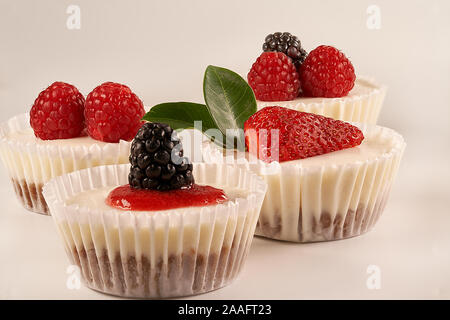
pixel 300 134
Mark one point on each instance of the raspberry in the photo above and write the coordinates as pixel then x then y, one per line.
pixel 286 43
pixel 152 166
pixel 327 72
pixel 113 112
pixel 273 77
pixel 57 112
pixel 301 134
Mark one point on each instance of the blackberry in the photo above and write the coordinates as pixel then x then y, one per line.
pixel 153 150
pixel 286 43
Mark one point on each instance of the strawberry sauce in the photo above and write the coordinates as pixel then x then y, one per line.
pixel 127 198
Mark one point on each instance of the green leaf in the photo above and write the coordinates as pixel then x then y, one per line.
pixel 229 103
pixel 229 99
pixel 181 115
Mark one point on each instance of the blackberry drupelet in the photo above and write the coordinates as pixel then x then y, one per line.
pixel 286 43
pixel 153 150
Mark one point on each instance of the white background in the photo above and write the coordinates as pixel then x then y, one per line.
pixel 161 48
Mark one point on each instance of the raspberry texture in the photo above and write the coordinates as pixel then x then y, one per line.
pixel 57 112
pixel 301 134
pixel 327 72
pixel 286 43
pixel 152 156
pixel 113 112
pixel 273 77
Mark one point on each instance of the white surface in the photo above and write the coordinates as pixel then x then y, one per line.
pixel 410 245
pixel 160 49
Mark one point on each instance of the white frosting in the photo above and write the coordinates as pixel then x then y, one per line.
pixel 361 87
pixel 27 136
pixel 36 161
pixel 373 145
pixel 95 199
pixel 362 104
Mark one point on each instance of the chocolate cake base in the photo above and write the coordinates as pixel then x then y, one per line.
pixel 326 228
pixel 30 195
pixel 184 274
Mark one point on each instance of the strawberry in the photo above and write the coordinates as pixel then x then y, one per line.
pixel 300 134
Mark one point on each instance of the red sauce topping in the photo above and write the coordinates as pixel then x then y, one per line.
pixel 127 198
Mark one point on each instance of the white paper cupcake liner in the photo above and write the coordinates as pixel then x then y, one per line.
pixel 30 165
pixel 323 202
pixel 363 108
pixel 157 254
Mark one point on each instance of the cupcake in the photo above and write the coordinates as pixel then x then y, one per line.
pixel 63 133
pixel 327 179
pixel 321 82
pixel 159 226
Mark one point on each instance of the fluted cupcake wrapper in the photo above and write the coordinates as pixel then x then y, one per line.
pixel 363 108
pixel 162 253
pixel 324 202
pixel 30 165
